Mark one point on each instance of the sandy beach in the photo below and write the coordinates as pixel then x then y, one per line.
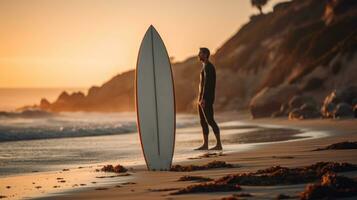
pixel 84 182
pixel 122 99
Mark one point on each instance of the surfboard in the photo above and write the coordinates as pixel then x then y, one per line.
pixel 155 102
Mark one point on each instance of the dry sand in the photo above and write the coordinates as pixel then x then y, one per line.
pixel 142 183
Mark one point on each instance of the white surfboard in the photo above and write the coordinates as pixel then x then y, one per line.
pixel 155 102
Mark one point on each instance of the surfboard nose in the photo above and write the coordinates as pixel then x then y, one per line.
pixel 152 28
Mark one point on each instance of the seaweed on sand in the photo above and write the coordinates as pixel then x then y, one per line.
pixel 210 165
pixel 331 186
pixel 208 155
pixel 339 146
pixel 276 175
pixel 116 169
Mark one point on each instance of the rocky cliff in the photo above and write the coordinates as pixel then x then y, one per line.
pixel 304 47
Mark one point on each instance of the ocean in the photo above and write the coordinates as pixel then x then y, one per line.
pixel 40 143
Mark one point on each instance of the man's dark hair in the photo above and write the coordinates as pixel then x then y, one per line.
pixel 205 51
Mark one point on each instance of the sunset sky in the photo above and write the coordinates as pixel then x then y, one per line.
pixel 80 43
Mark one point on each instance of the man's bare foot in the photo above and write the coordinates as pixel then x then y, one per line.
pixel 217 147
pixel 203 147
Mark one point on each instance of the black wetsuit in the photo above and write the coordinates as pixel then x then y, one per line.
pixel 207 93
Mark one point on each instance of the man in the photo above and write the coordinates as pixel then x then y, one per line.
pixel 206 100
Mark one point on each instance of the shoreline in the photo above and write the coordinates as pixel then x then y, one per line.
pixel 139 174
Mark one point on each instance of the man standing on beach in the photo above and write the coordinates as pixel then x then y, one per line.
pixel 206 100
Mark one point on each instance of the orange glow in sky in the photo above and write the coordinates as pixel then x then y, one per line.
pixel 80 43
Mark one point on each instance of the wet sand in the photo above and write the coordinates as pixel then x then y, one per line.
pixel 142 184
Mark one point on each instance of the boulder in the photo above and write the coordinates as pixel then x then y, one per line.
pixel 354 102
pixel 283 112
pixel 284 108
pixel 295 114
pixel 327 109
pixel 278 114
pixel 270 99
pixel 298 100
pixel 306 111
pixel 345 95
pixel 310 111
pixel 343 110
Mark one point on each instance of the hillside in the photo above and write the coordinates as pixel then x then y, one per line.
pixel 304 47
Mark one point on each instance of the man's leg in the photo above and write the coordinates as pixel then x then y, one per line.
pixel 209 113
pixel 205 129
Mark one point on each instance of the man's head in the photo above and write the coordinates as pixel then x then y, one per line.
pixel 204 54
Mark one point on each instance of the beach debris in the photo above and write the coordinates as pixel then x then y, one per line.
pixel 93 182
pixel 282 175
pixel 82 184
pixel 56 186
pixel 208 187
pixel 118 186
pixel 211 165
pixel 59 178
pixel 163 189
pixel 339 146
pixel 208 155
pixel 194 178
pixel 3 196
pixel 331 186
pixel 65 170
pixel 38 187
pixel 8 187
pixel 61 181
pixel 101 188
pixel 116 169
pixel 275 175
